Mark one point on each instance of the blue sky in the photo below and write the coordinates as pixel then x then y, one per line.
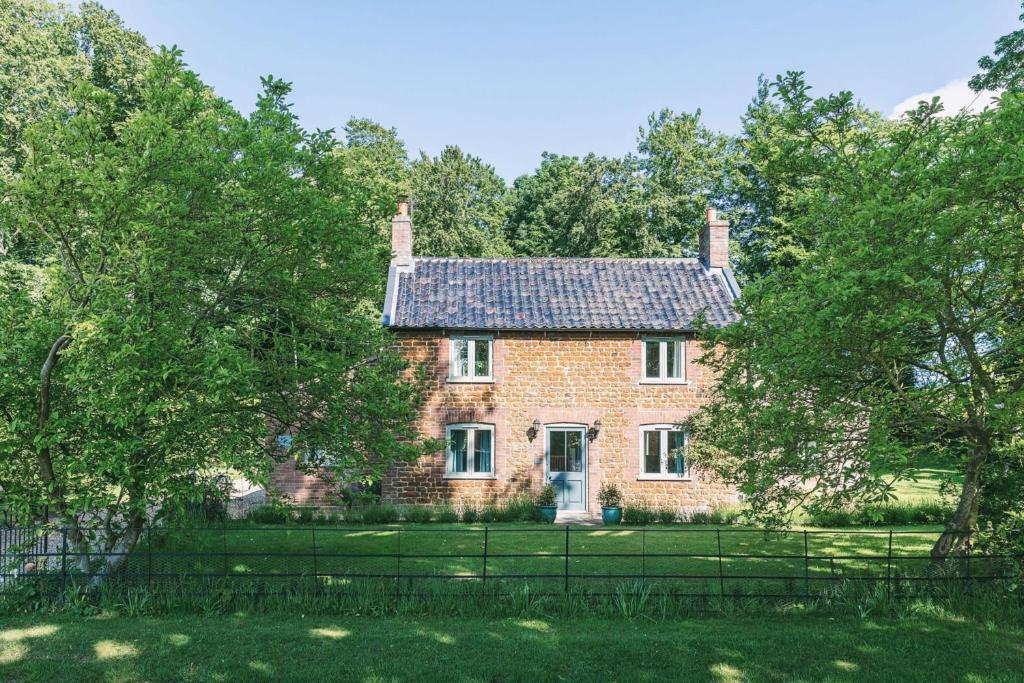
pixel 507 81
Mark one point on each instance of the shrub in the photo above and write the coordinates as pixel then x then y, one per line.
pixel 491 514
pixel 638 515
pixel 446 515
pixel 609 495
pixel 725 514
pixel 304 515
pixel 886 514
pixel 419 515
pixel 269 514
pixel 547 495
pixel 666 516
pixel 380 514
pixel 700 517
pixel 470 515
pixel 521 508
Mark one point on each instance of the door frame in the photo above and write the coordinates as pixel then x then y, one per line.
pixel 581 427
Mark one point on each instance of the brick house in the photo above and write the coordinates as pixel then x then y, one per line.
pixel 575 371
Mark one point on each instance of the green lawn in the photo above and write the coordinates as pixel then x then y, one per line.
pixel 925 486
pixel 676 559
pixel 794 648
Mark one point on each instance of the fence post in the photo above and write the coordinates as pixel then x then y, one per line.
pixel 149 558
pixel 63 563
pixel 970 585
pixel 485 555
pixel 398 570
pixel 888 570
pixel 643 554
pixel 224 547
pixel 566 558
pixel 721 570
pixel 807 568
pixel 316 572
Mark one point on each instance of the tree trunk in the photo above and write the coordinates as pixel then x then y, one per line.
pixel 958 529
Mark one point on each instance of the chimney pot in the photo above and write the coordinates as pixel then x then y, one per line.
pixel 403 207
pixel 712 215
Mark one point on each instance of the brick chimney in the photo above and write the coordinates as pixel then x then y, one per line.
pixel 714 241
pixel 401 236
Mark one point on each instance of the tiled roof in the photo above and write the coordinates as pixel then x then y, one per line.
pixel 559 294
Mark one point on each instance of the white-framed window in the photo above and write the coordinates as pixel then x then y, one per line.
pixel 663 452
pixel 470 451
pixel 664 359
pixel 470 358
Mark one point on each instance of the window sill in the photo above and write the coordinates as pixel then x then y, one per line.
pixel 470 380
pixel 471 477
pixel 663 477
pixel 670 382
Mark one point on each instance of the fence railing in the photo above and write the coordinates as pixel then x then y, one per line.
pixel 680 561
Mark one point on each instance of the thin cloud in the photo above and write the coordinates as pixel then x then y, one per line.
pixel 955 95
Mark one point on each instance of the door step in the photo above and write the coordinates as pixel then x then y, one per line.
pixel 580 517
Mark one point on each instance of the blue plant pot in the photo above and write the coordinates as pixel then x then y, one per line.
pixel 548 513
pixel 611 516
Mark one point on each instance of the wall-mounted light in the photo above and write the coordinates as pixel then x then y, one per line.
pixel 534 429
pixel 594 430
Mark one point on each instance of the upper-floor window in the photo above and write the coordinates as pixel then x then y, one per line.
pixel 663 452
pixel 664 359
pixel 470 358
pixel 470 450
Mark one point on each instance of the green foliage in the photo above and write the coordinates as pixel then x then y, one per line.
pixel 593 206
pixel 458 206
pixel 666 516
pixel 470 515
pixel 609 495
pixel 1005 70
pixel 379 514
pixel 200 284
pixel 686 168
pixel 447 515
pixel 547 495
pixel 898 332
pixel 638 515
pixel 269 514
pixel 418 515
pixel 888 514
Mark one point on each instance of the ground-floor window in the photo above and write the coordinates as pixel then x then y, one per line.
pixel 470 450
pixel 663 452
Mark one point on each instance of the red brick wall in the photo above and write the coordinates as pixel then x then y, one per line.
pixel 556 377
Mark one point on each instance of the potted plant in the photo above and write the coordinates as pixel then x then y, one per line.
pixel 546 503
pixel 611 503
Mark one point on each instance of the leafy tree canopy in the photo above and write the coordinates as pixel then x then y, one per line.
pixel 1005 70
pixel 459 206
pixel 45 51
pixel 897 332
pixel 200 292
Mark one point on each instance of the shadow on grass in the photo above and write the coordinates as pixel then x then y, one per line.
pixel 808 647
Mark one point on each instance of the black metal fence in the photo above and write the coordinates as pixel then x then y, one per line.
pixel 679 561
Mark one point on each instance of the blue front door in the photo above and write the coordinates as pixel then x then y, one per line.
pixel 566 462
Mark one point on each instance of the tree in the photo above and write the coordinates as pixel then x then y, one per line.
pixel 46 51
pixel 903 318
pixel 201 293
pixel 593 206
pixel 785 134
pixel 687 167
pixel 373 170
pixel 458 206
pixel 1006 69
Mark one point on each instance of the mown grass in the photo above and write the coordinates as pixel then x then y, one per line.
pixel 539 649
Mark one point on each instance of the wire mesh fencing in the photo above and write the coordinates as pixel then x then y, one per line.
pixel 678 561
